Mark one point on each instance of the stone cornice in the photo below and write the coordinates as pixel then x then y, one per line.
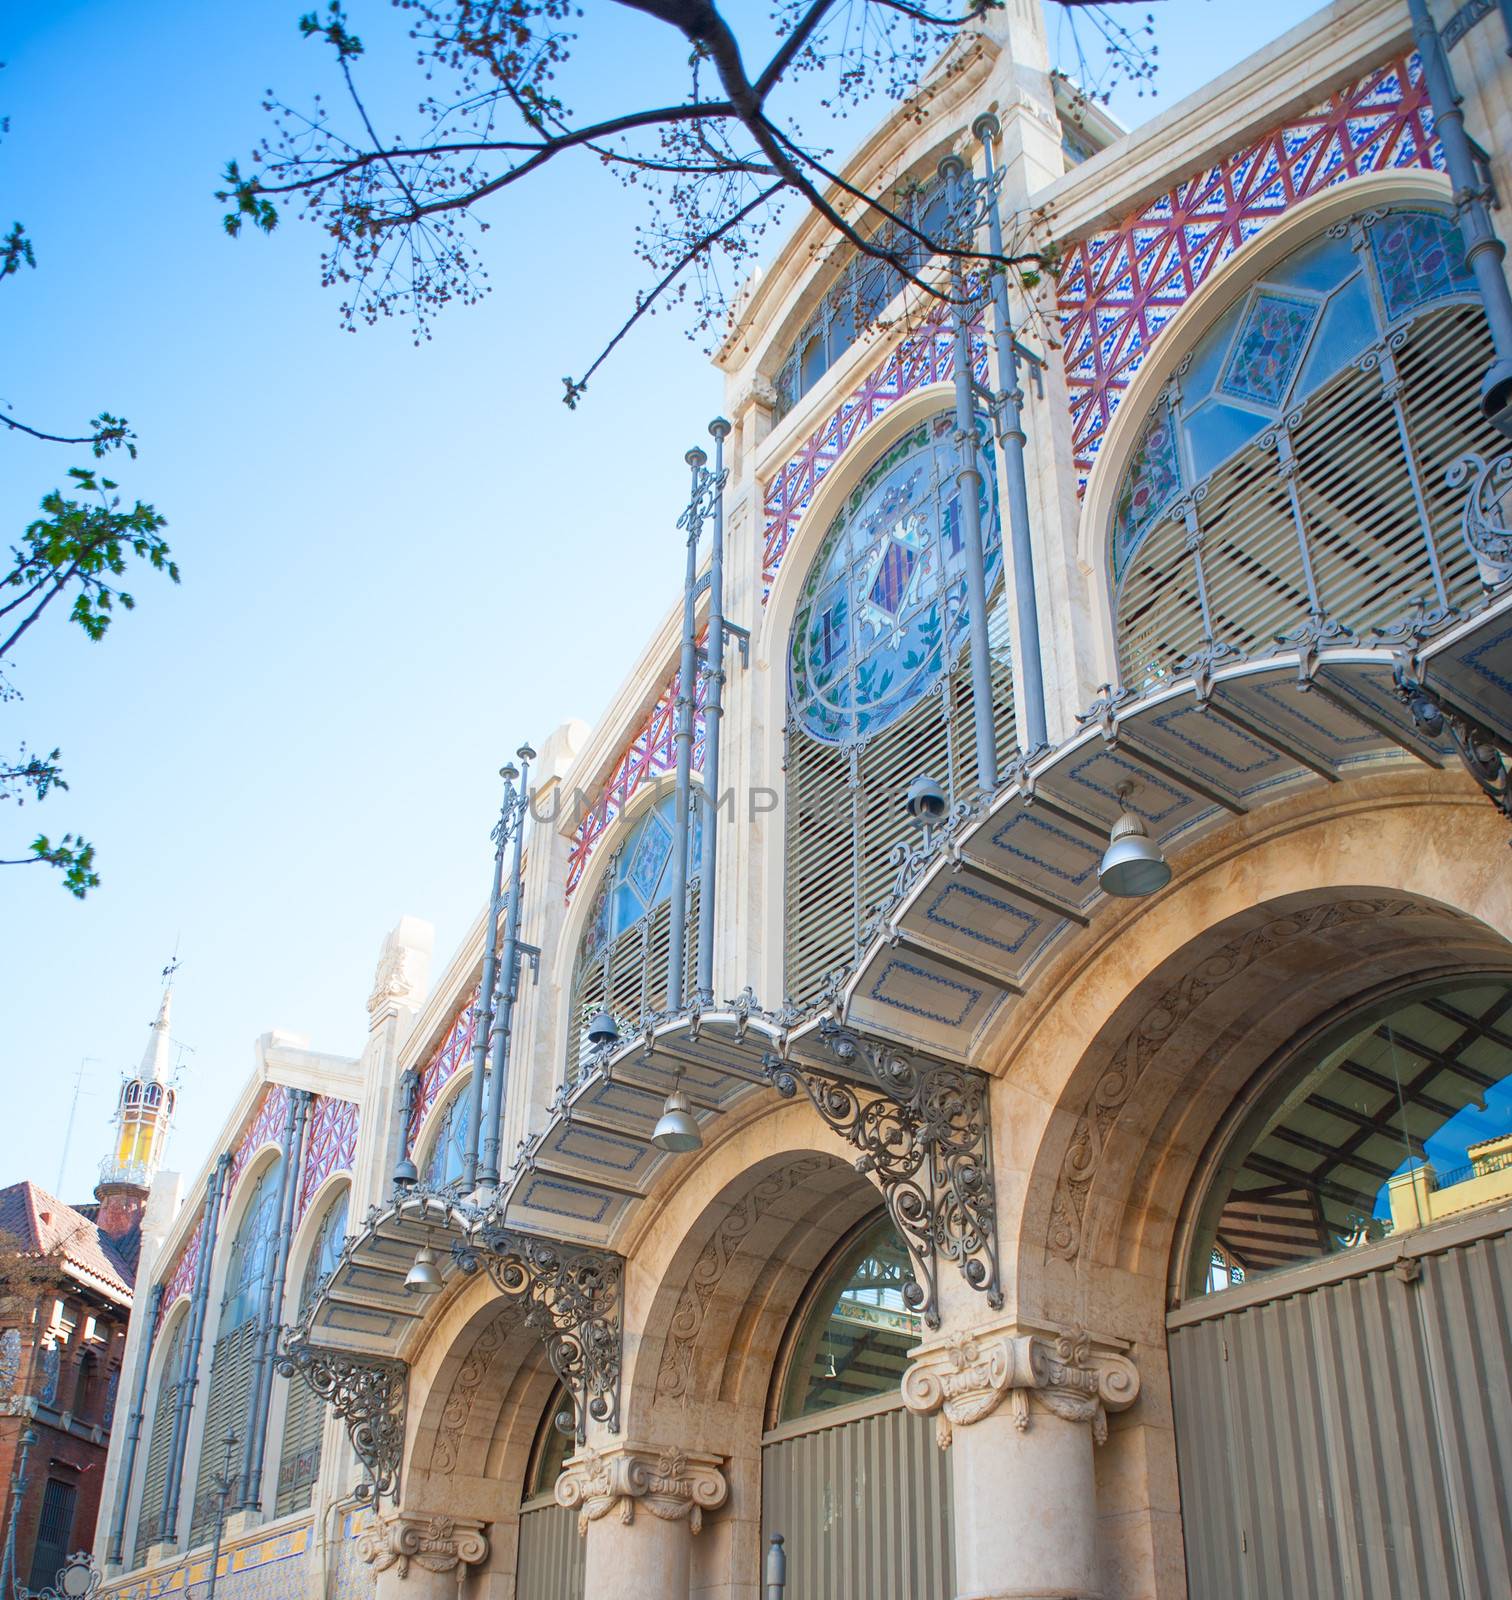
pixel 966 1376
pixel 672 1484
pixel 434 1543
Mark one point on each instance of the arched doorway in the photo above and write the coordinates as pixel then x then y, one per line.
pixel 1340 1356
pixel 852 1480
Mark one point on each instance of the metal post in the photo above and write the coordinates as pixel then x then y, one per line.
pixel 509 984
pixel 189 1371
pixel 687 693
pixel 262 1393
pixel 404 1110
pixel 969 482
pixel 1483 250
pixel 223 1490
pixel 776 1569
pixel 483 1018
pixel 1031 671
pixel 116 1549
pixel 713 717
pixel 18 1494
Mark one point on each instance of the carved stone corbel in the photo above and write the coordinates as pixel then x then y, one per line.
pixel 433 1543
pixel 966 1377
pixel 674 1485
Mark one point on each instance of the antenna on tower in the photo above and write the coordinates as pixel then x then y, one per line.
pixel 73 1111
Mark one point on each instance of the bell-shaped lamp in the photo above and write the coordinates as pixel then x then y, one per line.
pixel 423 1277
pixel 925 801
pixel 1132 865
pixel 405 1173
pixel 602 1029
pixel 677 1132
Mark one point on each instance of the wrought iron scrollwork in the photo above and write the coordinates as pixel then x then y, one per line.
pixel 1484 754
pixel 77 1579
pixel 1485 516
pixel 368 1393
pixel 569 1295
pixel 922 1128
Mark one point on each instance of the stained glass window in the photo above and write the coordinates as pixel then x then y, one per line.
pixel 1313 313
pixel 1420 256
pixel 639 877
pixel 252 1251
pixel 327 1249
pixel 854 1340
pixel 448 1152
pixel 883 608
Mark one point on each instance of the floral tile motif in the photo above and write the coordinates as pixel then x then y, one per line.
pixel 1270 344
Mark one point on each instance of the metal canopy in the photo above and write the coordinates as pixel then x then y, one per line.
pixel 978 910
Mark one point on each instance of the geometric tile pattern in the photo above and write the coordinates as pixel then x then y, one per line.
pixel 181 1279
pixel 453 1051
pixel 651 752
pixel 274 1568
pixel 1119 288
pixel 926 356
pixel 266 1127
pixel 330 1144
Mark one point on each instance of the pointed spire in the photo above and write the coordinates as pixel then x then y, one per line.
pixel 154 1068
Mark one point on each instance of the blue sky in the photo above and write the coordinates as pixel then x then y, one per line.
pixel 398 562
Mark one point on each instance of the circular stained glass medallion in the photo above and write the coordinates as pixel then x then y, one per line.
pixel 883 608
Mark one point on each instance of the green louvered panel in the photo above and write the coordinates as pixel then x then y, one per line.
pixel 229 1403
pixel 155 1480
pixel 299 1460
pixel 552 1554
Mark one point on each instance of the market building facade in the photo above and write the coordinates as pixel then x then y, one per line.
pixel 1042 1130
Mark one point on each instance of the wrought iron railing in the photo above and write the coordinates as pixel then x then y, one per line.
pixel 1482 1168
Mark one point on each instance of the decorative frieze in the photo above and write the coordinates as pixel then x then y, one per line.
pixel 433 1543
pixel 674 1485
pixel 967 1376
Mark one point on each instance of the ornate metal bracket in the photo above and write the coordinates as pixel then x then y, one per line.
pixel 368 1393
pixel 572 1297
pixel 77 1579
pixel 923 1128
pixel 1483 753
pixel 1484 522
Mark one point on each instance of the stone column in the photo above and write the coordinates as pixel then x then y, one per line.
pixel 1025 1494
pixel 418 1556
pixel 640 1557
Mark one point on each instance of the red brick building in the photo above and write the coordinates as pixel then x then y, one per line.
pixel 64 1303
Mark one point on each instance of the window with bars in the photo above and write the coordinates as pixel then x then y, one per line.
pixel 862 290
pixel 879 687
pixel 54 1531
pixel 623 953
pixel 155 1476
pixel 304 1415
pixel 1292 475
pixel 248 1271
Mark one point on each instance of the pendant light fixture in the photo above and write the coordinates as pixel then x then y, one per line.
pixel 1132 865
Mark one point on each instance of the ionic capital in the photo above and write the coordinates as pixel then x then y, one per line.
pixel 967 1376
pixel 674 1485
pixel 433 1543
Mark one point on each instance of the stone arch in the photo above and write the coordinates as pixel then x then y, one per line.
pixel 711 1285
pixel 1128 1077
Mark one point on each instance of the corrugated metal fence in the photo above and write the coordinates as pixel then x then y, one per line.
pixel 551 1553
pixel 865 1509
pixel 1353 1440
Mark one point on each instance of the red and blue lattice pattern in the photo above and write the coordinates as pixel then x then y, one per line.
pixel 266 1127
pixel 181 1279
pixel 454 1050
pixel 927 356
pixel 330 1144
pixel 1119 289
pixel 651 753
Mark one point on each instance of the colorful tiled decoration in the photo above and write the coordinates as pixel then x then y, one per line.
pixel 1269 346
pixel 1419 256
pixel 1118 289
pixel 330 1144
